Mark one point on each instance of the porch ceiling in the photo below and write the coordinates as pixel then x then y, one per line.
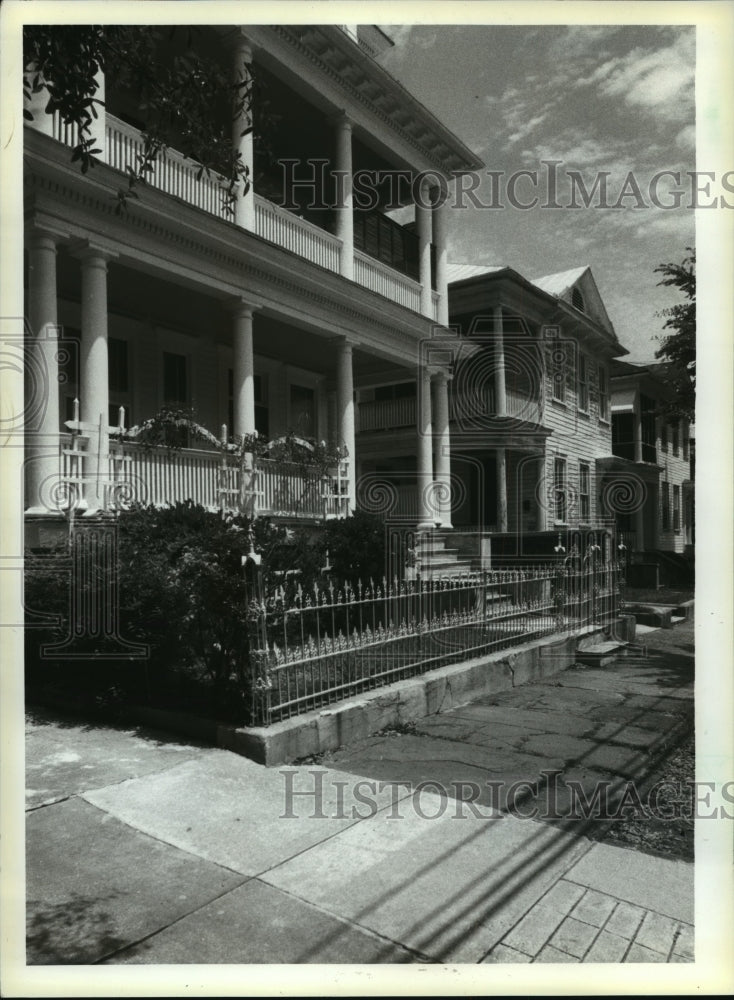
pixel 153 300
pixel 613 463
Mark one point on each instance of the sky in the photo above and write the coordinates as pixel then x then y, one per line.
pixel 610 98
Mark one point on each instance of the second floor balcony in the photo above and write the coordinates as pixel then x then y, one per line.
pixel 464 409
pixel 179 176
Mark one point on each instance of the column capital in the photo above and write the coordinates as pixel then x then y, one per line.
pixel 341 119
pixel 344 343
pixel 43 239
pixel 242 307
pixel 92 253
pixel 237 41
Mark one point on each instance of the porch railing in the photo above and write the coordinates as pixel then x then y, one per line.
pixel 172 172
pixel 522 406
pixel 286 488
pixel 313 648
pixel 297 235
pixel 210 477
pixel 391 284
pixel 177 175
pixel 386 414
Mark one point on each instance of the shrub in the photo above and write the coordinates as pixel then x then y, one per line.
pixel 183 592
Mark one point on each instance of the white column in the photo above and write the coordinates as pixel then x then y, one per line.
pixel 97 126
pixel 638 428
pixel 442 448
pixel 94 388
pixel 243 373
pixel 424 230
pixel 244 144
pixel 36 104
pixel 345 415
pixel 344 198
pixel 440 221
pixel 501 489
pixel 500 392
pixel 426 512
pixel 42 383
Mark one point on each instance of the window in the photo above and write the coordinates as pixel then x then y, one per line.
pixel 176 394
pixel 676 438
pixel 684 443
pixel 676 508
pixel 647 428
pixel 558 373
pixel 603 394
pixel 69 368
pixel 623 435
pixel 119 383
pixel 664 437
pixel 665 501
pixel 303 411
pixel 577 299
pixel 583 384
pixel 175 380
pixel 584 492
pixel 559 488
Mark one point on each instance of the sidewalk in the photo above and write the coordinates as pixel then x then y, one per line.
pixel 144 849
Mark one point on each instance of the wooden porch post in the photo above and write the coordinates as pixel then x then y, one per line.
pixel 243 144
pixel 344 210
pixel 94 393
pixel 345 415
pixel 426 512
pixel 42 370
pixel 442 449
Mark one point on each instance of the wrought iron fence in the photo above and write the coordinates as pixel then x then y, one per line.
pixel 309 649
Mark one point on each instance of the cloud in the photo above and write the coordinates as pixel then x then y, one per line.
pixel 686 138
pixel 659 80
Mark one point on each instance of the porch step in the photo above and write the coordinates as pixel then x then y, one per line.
pixel 600 655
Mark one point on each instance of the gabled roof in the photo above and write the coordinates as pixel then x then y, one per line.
pixel 462 272
pixel 562 285
pixel 561 282
pixel 559 287
pixel 657 370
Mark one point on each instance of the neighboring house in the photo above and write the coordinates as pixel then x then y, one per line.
pixel 652 464
pixel 266 321
pixel 529 413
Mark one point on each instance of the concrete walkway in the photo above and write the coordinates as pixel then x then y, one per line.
pixel 144 849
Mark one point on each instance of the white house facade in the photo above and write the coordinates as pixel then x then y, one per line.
pixel 269 320
pixel 458 398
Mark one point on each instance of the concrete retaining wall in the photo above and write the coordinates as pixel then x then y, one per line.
pixel 408 700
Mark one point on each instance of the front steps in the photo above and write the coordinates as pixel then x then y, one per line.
pixel 439 560
pixel 601 655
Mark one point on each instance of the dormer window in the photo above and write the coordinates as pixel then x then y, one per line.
pixel 577 300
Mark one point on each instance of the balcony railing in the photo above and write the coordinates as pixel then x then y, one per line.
pixel 301 237
pixel 172 171
pixel 380 278
pixel 179 176
pixel 386 414
pixel 522 406
pixel 463 407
